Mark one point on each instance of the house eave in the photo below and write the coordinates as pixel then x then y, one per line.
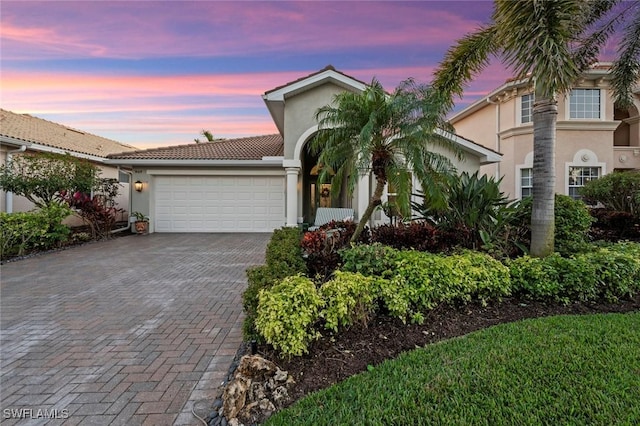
pixel 265 162
pixel 485 155
pixel 33 146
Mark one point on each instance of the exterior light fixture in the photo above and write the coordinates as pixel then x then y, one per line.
pixel 137 185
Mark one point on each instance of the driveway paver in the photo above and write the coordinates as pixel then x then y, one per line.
pixel 132 331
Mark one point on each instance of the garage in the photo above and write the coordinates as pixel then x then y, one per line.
pixel 218 203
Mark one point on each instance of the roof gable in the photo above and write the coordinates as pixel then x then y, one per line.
pixel 275 98
pixel 28 130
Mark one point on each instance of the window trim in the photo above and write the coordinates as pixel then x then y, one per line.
pixel 603 97
pixel 583 158
pixel 519 109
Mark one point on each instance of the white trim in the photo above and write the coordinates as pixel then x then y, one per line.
pixel 528 164
pixel 33 146
pixel 312 81
pixel 302 140
pixel 567 105
pixel 583 158
pixel 273 161
pixel 486 155
pixel 214 172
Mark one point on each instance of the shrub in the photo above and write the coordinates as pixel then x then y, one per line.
pixel 554 277
pixel 321 246
pixel 613 225
pixel 57 233
pixel 459 278
pixel 283 258
pixel 417 281
pixel 572 224
pixel 40 229
pixel 286 314
pixel 21 231
pixel 474 205
pixel 349 298
pixel 369 259
pixel 617 270
pixel 418 235
pixel 610 273
pixel 619 191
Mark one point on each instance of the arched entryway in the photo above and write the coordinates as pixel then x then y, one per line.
pixel 316 193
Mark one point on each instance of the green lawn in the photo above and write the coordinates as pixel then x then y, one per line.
pixel 566 370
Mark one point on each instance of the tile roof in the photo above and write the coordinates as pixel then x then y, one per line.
pixel 249 148
pixel 327 68
pixel 27 128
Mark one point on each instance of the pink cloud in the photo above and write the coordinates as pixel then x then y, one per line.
pixel 160 29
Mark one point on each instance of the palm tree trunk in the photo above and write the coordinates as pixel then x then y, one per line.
pixel 373 203
pixel 545 114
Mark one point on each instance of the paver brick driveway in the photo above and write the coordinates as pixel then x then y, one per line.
pixel 129 331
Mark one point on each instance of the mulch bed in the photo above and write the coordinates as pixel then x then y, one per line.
pixel 335 358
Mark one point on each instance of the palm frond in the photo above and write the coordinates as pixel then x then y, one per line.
pixel 535 38
pixel 626 69
pixel 461 64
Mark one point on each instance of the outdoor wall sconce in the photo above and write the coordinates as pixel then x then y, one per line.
pixel 137 185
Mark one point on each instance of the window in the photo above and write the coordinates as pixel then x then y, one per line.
pixel 526 182
pixel 584 103
pixel 526 108
pixel 579 176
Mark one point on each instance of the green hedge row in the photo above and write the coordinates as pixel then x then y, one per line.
pixel 283 258
pixel 291 313
pixel 610 273
pixel 23 231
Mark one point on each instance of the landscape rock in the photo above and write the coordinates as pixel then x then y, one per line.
pixel 258 389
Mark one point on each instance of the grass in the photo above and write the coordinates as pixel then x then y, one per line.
pixel 564 370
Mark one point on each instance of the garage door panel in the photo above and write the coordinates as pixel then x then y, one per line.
pixel 219 203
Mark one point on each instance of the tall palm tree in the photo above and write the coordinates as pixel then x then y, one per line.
pixel 550 43
pixel 391 135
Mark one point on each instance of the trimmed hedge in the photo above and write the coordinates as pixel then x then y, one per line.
pixel 609 272
pixel 40 229
pixel 283 258
pixel 405 284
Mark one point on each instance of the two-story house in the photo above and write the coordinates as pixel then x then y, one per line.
pixel 593 136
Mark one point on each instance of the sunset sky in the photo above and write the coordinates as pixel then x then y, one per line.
pixel 151 73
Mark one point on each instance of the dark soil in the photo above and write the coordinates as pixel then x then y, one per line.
pixel 335 358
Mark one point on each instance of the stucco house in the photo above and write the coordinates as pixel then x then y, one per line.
pixel 23 133
pixel 593 136
pixel 256 184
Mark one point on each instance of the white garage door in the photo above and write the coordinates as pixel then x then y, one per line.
pixel 219 203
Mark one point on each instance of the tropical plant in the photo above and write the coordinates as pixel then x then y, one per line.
pixel 619 191
pixel 41 177
pixel 549 43
pixel 208 136
pixel 392 135
pixel 474 208
pixel 572 220
pixel 283 257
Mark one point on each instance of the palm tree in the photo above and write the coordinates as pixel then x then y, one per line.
pixel 550 43
pixel 207 134
pixel 390 135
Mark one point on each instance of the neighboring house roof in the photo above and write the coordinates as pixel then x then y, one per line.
pixel 486 155
pixel 600 70
pixel 254 148
pixel 39 134
pixel 275 98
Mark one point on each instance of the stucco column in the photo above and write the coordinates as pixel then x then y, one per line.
pixel 364 191
pixel 292 195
